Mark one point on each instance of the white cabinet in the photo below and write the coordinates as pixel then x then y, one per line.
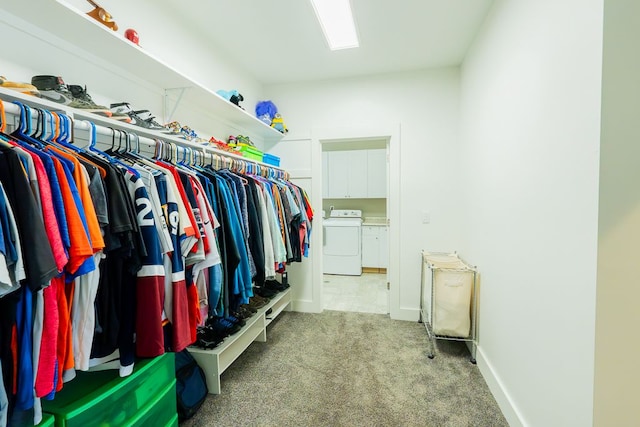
pixel 346 174
pixel 375 246
pixel 383 243
pixel 325 175
pixel 377 174
pixel 354 174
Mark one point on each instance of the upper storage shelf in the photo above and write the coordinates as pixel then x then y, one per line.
pixel 74 27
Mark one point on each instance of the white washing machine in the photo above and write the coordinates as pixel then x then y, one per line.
pixel 342 248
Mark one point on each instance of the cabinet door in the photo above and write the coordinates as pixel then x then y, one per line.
pixel 383 244
pixel 358 176
pixel 370 249
pixel 377 173
pixel 325 175
pixel 338 175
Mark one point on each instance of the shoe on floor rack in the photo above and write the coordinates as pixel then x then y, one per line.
pixel 264 292
pixel 26 88
pixel 256 302
pixel 53 88
pixel 275 285
pixel 221 326
pixel 207 338
pixel 244 312
pixel 236 320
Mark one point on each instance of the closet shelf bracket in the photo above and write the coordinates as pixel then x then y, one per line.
pixel 169 95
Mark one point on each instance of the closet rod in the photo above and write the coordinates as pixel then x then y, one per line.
pixel 81 124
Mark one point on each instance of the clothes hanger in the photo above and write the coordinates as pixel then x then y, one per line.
pixel 3 117
pixel 64 137
pixel 4 138
pixel 119 156
pixel 93 137
pixel 24 131
pixel 65 141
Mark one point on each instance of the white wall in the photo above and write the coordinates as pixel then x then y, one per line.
pixel 167 35
pixel 530 143
pixel 618 315
pixel 425 105
pixel 305 278
pixel 369 207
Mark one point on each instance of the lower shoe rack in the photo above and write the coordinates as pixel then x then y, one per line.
pixel 448 300
pixel 215 361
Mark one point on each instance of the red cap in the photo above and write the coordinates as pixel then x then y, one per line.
pixel 132 35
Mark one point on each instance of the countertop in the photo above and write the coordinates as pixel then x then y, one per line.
pixel 374 221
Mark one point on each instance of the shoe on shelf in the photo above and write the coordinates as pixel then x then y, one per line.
pixel 173 128
pixel 124 109
pixel 53 88
pixel 148 120
pixel 120 114
pixel 80 93
pixel 241 139
pixel 187 133
pixel 25 88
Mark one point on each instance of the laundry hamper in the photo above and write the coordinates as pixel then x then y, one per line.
pixel 448 306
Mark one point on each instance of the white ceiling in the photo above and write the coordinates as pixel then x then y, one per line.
pixel 280 41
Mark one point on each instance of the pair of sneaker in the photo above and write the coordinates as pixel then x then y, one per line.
pixel 216 329
pixel 185 132
pixel 53 88
pixel 142 118
pixel 244 312
pixel 265 292
pixel 26 88
pixel 257 301
pixel 273 284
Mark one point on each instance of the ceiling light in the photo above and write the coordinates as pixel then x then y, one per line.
pixel 337 23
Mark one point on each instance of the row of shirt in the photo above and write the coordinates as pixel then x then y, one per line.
pixel 106 256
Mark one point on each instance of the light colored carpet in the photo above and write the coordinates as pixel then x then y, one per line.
pixel 350 369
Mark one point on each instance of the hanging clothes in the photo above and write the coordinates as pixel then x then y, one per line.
pixel 106 256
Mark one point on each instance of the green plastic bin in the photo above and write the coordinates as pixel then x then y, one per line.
pixel 249 152
pixel 159 411
pixel 104 399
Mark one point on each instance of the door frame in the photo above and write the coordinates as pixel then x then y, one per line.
pixel 391 133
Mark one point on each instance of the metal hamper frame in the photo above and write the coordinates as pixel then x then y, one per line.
pixel 427 310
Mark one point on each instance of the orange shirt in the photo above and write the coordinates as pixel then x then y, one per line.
pixel 80 248
pixel 95 234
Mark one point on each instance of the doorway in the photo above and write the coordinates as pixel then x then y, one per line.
pixel 355 182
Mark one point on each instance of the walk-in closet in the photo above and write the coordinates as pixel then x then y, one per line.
pixel 224 213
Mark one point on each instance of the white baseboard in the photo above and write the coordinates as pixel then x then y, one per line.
pixel 305 306
pixel 408 314
pixel 509 409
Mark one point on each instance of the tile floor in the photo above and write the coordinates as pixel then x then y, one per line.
pixel 365 294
